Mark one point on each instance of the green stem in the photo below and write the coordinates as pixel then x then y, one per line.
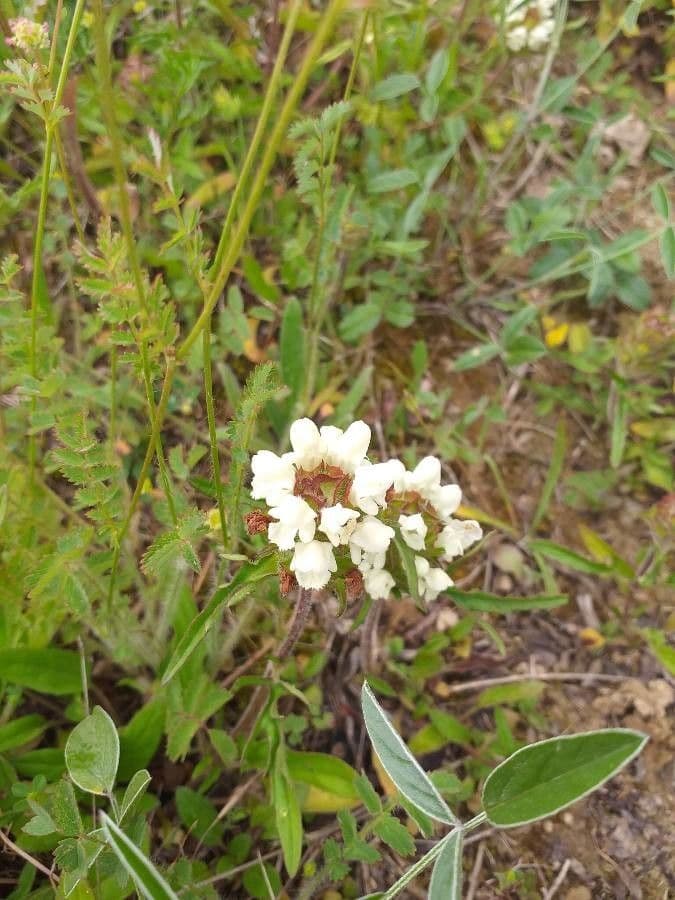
pixel 317 312
pixel 278 132
pixel 211 417
pixel 261 125
pixel 42 210
pixel 145 468
pixel 423 863
pixel 108 104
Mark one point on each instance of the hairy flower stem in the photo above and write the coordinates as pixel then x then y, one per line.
pixel 368 645
pixel 301 611
pixel 50 127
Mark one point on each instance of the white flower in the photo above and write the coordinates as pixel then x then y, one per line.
pixel 296 517
pixel 273 476
pixel 430 581
pixel 541 34
pixel 516 12
pixel 446 499
pixel 346 449
pixel 369 536
pixel 337 523
pixel 371 483
pixel 516 39
pixel 378 583
pixel 306 443
pixel 425 478
pixel 546 8
pixel 413 530
pixel 313 563
pixel 457 536
pixel 372 561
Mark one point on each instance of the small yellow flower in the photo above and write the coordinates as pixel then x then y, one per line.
pixel 87 19
pixel 557 336
pixel 213 519
pixel 139 6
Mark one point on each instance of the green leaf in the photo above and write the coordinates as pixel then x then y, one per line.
pixel 394 180
pixel 360 320
pixel 399 763
pixel 477 356
pixel 148 880
pixel 394 86
pixel 140 738
pixel 199 816
pixel 567 557
pixel 21 731
pixel 523 349
pixel 395 835
pixel 661 201
pixel 48 671
pixel 292 347
pixel 93 753
pixel 446 878
pixel 667 244
pixel 324 771
pixel 661 648
pixel 438 69
pixel 232 593
pixel 407 557
pixel 553 475
pixel 544 778
pixel 287 813
pixel 135 790
pixel 510 694
pixel 493 603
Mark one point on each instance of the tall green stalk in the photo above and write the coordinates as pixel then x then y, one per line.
pixel 236 244
pixel 50 126
pixel 119 169
pixel 242 181
pixel 317 310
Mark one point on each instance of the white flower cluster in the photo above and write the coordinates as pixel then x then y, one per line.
pixel 338 513
pixel 529 23
pixel 28 35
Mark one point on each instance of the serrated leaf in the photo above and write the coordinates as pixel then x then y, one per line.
pixel 399 763
pixel 544 778
pixel 149 882
pixel 395 835
pixel 446 877
pixel 92 753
